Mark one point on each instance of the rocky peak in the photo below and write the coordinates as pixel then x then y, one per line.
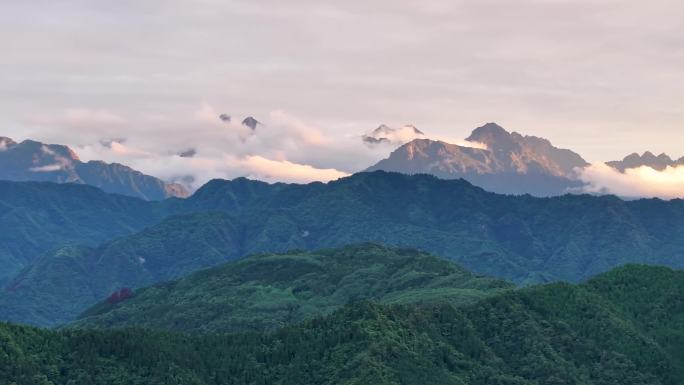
pixel 250 122
pixel 6 143
pixel 648 159
pixel 490 132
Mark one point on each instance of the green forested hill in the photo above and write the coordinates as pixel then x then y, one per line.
pixel 60 285
pixel 264 292
pixel 624 327
pixel 518 238
pixel 37 217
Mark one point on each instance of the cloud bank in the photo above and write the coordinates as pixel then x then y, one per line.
pixel 634 182
pixel 195 144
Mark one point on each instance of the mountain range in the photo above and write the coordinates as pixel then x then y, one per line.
pixel 376 278
pixel 622 327
pixel 491 157
pixel 648 159
pixel 499 161
pixel 36 161
pixel 523 239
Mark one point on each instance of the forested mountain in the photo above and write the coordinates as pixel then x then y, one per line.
pixel 38 217
pixel 264 292
pixel 60 285
pixel 519 238
pixel 499 161
pixel 35 161
pixel 624 327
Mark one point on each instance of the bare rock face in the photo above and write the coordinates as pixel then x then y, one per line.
pixel 648 159
pixel 34 161
pixel 250 122
pixel 499 161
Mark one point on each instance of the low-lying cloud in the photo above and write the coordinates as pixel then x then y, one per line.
pixel 385 135
pixel 198 144
pixel 634 182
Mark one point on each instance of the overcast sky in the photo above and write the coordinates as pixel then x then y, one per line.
pixel 603 77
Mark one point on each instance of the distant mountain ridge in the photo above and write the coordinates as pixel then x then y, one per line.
pixel 511 163
pixel 35 161
pixel 519 238
pixel 648 159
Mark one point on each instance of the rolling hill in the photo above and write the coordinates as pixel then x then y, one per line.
pixel 623 327
pixel 265 292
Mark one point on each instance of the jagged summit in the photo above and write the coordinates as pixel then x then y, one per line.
pixel 488 131
pixel 648 159
pixel 511 163
pixel 31 160
pixel 250 122
pixel 385 134
pixel 6 142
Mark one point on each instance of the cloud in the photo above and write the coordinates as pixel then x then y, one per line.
pixel 635 182
pixel 385 135
pixel 267 169
pixel 466 143
pixel 60 162
pixel 81 118
pixel 48 168
pixel 546 65
pixel 202 146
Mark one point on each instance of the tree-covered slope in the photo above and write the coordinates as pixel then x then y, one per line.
pixel 589 334
pixel 60 285
pixel 38 217
pixel 518 238
pixel 264 292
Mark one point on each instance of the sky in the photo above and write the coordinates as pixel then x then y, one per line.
pixel 140 81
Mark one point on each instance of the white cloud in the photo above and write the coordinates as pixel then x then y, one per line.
pixel 271 170
pixel 389 136
pixel 60 162
pixel 636 182
pixel 48 168
pixel 283 148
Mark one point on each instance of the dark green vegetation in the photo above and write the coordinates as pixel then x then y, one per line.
pixel 60 285
pixel 37 217
pixel 519 238
pixel 625 327
pixel 265 292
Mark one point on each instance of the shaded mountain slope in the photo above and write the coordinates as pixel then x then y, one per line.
pixel 35 161
pixel 62 284
pixel 38 217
